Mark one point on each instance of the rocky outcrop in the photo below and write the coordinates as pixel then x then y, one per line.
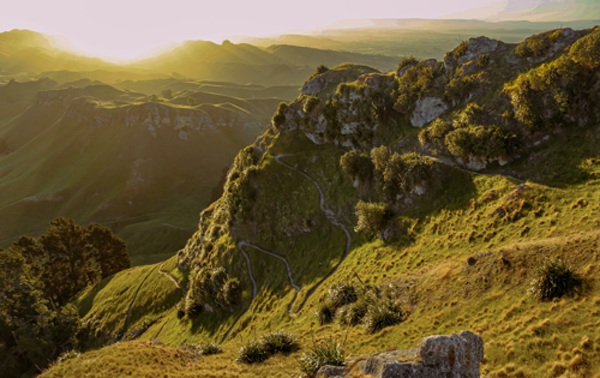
pixel 473 48
pixel 330 78
pixel 151 116
pixel 451 356
pixel 426 110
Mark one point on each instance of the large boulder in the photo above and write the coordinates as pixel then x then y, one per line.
pixel 456 356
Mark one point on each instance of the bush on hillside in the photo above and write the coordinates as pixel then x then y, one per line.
pixel 279 116
pixel 555 279
pixel 328 352
pixel 435 132
pixel 279 342
pixel 251 353
pixel 213 287
pixel 267 346
pixel 341 294
pixel 490 142
pixel 397 172
pixel 405 62
pixel 353 313
pixel 372 218
pixel 357 165
pixel 380 314
pixel 325 313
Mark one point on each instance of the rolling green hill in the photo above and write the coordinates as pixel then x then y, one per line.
pixel 100 154
pixel 381 208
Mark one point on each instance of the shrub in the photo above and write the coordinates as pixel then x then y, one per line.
pixel 435 133
pixel 205 349
pixel 322 69
pixel 372 217
pixel 279 342
pixel 492 141
pixel 341 294
pixel 209 348
pixel 405 62
pixel 353 313
pixel 279 117
pixel 357 165
pixel 325 313
pixel 382 313
pixel 268 345
pixel 554 279
pixel 252 352
pixel 326 353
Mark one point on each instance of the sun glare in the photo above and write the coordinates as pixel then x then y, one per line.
pixel 122 30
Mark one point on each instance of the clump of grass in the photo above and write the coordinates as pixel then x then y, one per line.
pixel 205 349
pixel 268 345
pixel 555 279
pixel 210 348
pixel 353 313
pixel 280 342
pixel 325 313
pixel 341 294
pixel 329 352
pixel 381 314
pixel 252 352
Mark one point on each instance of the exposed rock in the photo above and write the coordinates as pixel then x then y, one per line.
pixel 426 110
pixel 454 356
pixel 474 47
pixel 332 372
pixel 151 116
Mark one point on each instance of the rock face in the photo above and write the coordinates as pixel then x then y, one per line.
pixel 426 110
pixel 449 356
pixel 435 356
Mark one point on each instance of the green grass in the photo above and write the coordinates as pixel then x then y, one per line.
pixel 466 261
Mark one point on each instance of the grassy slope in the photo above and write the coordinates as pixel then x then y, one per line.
pixel 441 291
pixel 444 293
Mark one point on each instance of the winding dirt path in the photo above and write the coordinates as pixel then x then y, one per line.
pixel 168 276
pixel 240 247
pixel 329 214
pixel 244 243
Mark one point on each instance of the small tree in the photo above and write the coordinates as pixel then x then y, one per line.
pixel 372 218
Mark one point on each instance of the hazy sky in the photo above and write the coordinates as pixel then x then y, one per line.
pixel 130 28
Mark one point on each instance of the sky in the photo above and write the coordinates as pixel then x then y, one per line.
pixel 126 29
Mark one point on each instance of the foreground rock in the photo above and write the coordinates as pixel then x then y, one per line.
pixel 453 356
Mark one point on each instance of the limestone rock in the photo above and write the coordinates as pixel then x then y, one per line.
pixel 456 356
pixel 426 110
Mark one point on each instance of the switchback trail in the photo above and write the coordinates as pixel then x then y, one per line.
pixel 244 243
pixel 240 247
pixel 331 217
pixel 168 276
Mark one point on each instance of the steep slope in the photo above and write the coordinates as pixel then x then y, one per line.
pixel 435 193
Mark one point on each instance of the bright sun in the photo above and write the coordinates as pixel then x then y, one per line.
pixel 126 29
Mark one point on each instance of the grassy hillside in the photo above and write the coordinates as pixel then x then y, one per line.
pixel 434 229
pixel 99 154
